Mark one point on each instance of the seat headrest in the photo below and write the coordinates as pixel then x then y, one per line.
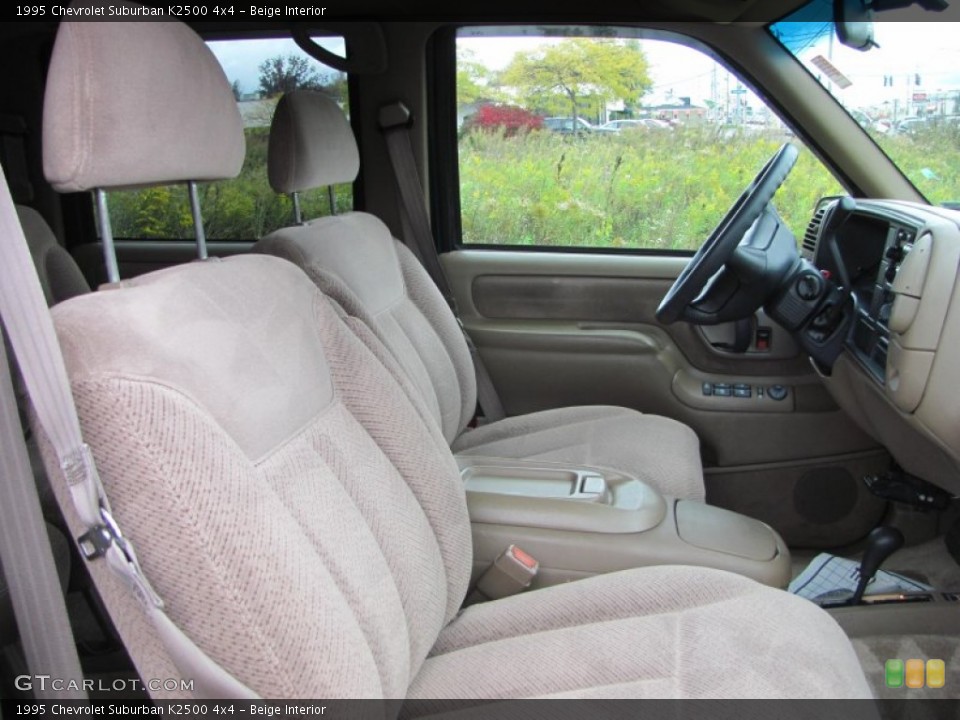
pixel 136 103
pixel 311 144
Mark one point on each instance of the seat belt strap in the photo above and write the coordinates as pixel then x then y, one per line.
pixel 29 326
pixel 28 561
pixel 395 122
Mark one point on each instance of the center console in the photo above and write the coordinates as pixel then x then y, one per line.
pixel 579 521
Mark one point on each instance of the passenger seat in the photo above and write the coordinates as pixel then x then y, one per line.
pixel 354 259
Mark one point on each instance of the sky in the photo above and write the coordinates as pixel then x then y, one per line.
pixel 931 49
pixel 241 59
pixel 906 49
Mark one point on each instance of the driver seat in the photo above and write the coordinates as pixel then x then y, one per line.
pixel 354 259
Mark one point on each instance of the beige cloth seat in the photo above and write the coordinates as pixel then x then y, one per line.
pixel 291 497
pixel 355 260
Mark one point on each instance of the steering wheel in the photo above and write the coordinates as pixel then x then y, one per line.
pixel 722 242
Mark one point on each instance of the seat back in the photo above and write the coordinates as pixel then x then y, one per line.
pixel 356 261
pixel 303 521
pixel 60 276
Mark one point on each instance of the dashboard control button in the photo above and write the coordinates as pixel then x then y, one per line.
pixel 708 388
pixel 722 390
pixel 777 392
pixel 742 391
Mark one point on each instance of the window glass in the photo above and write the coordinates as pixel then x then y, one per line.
pixel 904 91
pixel 245 208
pixel 611 142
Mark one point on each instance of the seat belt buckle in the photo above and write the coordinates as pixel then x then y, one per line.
pixel 509 574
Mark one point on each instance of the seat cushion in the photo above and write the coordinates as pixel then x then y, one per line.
pixel 661 452
pixel 662 632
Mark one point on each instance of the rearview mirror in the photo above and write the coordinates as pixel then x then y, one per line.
pixel 854 23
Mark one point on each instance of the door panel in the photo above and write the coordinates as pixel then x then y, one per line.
pixel 561 329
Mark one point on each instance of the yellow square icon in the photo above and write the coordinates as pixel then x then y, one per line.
pixel 914 677
pixel 936 673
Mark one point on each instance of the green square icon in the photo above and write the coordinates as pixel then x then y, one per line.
pixel 893 671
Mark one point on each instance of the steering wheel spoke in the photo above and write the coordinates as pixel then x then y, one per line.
pixel 703 292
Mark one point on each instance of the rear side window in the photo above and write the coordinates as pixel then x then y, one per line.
pixel 245 208
pixel 632 140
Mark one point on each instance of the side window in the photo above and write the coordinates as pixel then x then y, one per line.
pixel 245 208
pixel 626 142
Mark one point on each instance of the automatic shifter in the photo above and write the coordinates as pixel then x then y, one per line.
pixel 882 542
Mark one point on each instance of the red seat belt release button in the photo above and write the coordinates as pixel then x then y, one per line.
pixel 509 574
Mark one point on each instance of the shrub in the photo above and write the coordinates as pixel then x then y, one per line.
pixel 507 119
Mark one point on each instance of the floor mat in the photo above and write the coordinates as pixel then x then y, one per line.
pixel 876 650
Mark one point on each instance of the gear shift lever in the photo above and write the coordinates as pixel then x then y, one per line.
pixel 882 542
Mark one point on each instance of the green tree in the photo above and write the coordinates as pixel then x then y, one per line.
pixel 579 69
pixel 474 80
pixel 280 75
pixel 336 87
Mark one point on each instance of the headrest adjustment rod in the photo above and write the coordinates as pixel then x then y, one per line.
pixel 197 220
pixel 297 212
pixel 332 196
pixel 106 236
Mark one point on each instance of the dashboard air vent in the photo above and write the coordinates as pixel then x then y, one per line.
pixel 812 233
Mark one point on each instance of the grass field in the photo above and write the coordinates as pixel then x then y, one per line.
pixel 659 190
pixel 662 190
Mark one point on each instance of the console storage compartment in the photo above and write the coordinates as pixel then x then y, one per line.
pixel 581 521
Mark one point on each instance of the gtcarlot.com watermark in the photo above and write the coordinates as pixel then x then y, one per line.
pixel 27 683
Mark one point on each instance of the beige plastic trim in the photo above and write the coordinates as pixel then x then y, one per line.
pixel 547 495
pixel 906 375
pixel 937 617
pixel 725 540
pixel 719 530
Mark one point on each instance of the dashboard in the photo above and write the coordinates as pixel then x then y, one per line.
pixel 872 245
pixel 892 268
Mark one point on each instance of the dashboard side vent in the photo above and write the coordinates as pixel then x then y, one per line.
pixel 812 233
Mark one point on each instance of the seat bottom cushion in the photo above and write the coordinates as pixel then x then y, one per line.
pixel 661 632
pixel 662 452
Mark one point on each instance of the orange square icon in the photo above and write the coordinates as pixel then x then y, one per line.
pixel 936 673
pixel 914 677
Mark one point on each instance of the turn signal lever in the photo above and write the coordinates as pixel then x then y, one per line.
pixel 882 542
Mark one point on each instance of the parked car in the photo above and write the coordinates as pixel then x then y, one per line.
pixel 638 124
pixel 566 126
pixel 911 125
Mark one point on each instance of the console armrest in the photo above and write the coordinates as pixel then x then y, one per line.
pixel 546 495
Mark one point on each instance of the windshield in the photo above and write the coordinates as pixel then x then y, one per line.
pixel 905 93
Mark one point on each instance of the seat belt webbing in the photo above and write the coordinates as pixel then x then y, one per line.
pixel 28 561
pixel 395 120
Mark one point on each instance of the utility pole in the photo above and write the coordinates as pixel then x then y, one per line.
pixel 714 92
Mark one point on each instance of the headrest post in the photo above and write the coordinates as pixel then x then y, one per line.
pixel 332 195
pixel 106 236
pixel 297 212
pixel 197 220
